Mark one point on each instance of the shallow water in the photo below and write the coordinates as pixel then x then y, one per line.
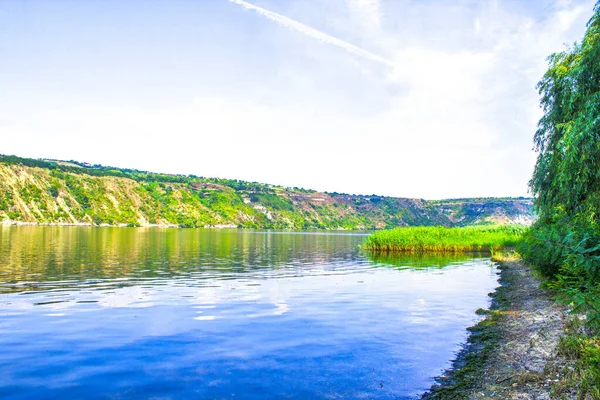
pixel 133 313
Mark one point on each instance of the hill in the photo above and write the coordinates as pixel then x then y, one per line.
pixel 70 192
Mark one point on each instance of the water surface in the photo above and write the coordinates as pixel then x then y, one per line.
pixel 133 313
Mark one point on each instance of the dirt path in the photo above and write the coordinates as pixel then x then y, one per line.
pixel 512 354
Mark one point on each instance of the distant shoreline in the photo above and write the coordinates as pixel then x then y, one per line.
pixel 89 224
pixel 71 193
pixel 170 226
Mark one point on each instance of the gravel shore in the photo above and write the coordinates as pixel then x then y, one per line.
pixel 512 353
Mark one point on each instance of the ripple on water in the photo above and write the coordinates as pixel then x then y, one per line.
pixel 138 313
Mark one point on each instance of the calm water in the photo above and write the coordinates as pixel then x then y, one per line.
pixel 126 313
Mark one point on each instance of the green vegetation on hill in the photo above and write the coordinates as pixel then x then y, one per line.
pixel 564 244
pixel 70 192
pixel 440 239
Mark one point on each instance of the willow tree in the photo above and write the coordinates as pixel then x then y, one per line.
pixel 565 242
pixel 566 180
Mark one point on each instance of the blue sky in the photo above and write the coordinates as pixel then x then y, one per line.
pixel 427 98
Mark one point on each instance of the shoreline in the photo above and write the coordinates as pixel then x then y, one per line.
pixel 513 351
pixel 170 226
pixel 90 225
pixel 121 225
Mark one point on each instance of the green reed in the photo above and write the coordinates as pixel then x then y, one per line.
pixel 484 238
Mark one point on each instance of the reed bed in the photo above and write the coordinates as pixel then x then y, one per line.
pixel 439 239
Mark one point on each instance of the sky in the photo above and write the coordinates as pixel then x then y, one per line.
pixel 409 98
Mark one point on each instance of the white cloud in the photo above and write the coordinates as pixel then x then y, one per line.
pixel 453 116
pixel 367 12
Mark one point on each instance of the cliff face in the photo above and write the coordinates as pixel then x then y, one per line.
pixel 49 192
pixel 464 212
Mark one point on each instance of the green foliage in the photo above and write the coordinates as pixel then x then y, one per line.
pixel 567 174
pixel 565 243
pixel 445 240
pixel 54 189
pixel 582 379
pixel 76 192
pixel 272 201
pixel 569 257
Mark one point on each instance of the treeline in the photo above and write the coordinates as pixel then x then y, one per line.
pixel 564 244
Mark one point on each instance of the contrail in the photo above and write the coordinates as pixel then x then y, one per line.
pixel 312 32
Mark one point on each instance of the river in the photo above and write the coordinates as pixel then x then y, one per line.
pixel 141 313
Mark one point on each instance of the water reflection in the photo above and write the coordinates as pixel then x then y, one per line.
pixel 33 254
pixel 139 313
pixel 421 260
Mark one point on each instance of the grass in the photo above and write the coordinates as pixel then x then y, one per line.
pixel 485 238
pixel 580 377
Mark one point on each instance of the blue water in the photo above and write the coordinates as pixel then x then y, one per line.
pixel 130 313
